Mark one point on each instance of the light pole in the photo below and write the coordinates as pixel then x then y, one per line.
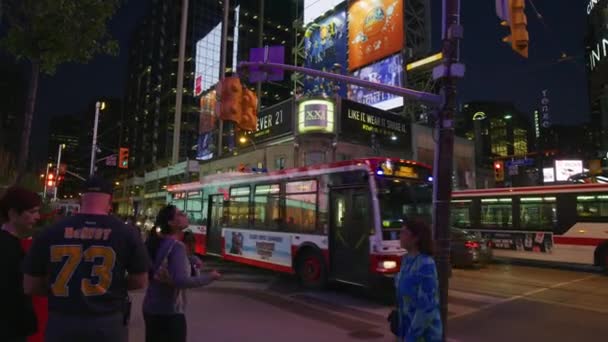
pixel 98 106
pixel 46 177
pixel 244 139
pixel 61 147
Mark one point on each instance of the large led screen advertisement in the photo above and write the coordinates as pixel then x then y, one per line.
pixel 207 61
pixel 316 8
pixel 388 71
pixel 375 30
pixel 324 47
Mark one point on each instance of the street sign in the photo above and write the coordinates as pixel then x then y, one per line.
pixel 111 160
pixel 267 54
pixel 520 162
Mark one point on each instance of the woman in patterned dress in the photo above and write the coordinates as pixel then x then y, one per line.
pixel 417 287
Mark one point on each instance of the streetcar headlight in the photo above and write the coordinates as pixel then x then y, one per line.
pixel 389 264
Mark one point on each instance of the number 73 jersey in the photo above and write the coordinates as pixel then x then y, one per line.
pixel 85 259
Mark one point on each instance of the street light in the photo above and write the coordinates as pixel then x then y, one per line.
pixel 61 147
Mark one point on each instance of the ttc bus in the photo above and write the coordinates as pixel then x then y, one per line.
pixel 562 223
pixel 330 222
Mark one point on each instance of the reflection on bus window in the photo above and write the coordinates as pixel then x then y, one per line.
pixel 238 207
pixel 267 211
pixel 592 206
pixel 399 200
pixel 496 213
pixel 538 213
pixel 301 206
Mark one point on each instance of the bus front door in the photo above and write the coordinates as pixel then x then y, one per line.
pixel 214 228
pixel 350 229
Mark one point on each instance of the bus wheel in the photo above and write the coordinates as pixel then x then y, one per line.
pixel 311 270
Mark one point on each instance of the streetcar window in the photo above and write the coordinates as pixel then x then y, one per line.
pixel 238 207
pixel 194 207
pixel 301 206
pixel 592 206
pixel 461 212
pixel 267 211
pixel 538 213
pixel 496 213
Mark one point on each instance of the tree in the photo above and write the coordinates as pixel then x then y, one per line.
pixel 48 33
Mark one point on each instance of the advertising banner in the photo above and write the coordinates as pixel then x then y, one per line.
pixel 207 61
pixel 316 116
pixel 564 169
pixel 358 122
pixel 375 30
pixel 324 47
pixel 388 71
pixel 273 122
pixel 205 144
pixel 537 242
pixel 256 245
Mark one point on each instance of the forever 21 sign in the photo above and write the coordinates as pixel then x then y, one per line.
pixel 274 122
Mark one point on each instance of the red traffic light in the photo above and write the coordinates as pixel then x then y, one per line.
pixel 497 165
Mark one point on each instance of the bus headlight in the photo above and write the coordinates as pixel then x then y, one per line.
pixel 388 264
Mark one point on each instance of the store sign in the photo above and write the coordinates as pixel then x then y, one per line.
pixel 564 169
pixel 544 109
pixel 548 175
pixel 273 122
pixel 361 123
pixel 316 116
pixel 598 53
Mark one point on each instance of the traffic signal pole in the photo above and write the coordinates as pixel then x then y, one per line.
pixel 447 73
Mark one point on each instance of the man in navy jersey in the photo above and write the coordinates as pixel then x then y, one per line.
pixel 86 263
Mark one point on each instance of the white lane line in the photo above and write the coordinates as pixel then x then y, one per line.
pixel 475 297
pixel 526 294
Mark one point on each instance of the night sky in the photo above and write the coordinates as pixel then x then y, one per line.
pixel 494 71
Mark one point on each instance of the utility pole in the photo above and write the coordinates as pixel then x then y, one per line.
pixel 98 106
pixel 46 177
pixel 61 147
pixel 223 57
pixel 447 73
pixel 258 86
pixel 179 94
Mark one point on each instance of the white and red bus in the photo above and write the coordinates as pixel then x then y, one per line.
pixel 561 223
pixel 336 222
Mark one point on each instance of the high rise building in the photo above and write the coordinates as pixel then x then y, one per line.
pixel 597 67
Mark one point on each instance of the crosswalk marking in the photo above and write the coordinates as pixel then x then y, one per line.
pixel 474 297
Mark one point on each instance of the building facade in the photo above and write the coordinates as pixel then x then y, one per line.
pixel 597 68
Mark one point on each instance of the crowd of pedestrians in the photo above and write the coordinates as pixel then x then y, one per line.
pixel 71 282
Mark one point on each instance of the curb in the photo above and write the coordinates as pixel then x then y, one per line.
pixel 548 264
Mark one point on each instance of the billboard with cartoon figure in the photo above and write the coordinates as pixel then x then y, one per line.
pixel 375 31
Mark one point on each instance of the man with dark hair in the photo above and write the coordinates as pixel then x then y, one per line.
pixel 90 260
pixel 19 211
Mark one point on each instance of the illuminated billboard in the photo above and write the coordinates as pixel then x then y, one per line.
pixel 207 61
pixel 324 47
pixel 375 30
pixel 388 71
pixel 316 8
pixel 564 169
pixel 316 116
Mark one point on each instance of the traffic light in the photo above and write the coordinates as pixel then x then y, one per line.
pixel 517 21
pixel 123 158
pixel 499 171
pixel 249 116
pixel 231 93
pixel 50 180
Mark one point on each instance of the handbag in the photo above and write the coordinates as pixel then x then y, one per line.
pixel 162 274
pixel 393 319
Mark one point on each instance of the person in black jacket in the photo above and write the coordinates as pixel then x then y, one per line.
pixel 19 211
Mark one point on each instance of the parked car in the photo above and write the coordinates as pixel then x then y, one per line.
pixel 468 250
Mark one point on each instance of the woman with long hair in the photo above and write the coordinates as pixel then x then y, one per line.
pixel 165 301
pixel 417 286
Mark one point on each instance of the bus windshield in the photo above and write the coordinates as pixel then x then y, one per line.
pixel 401 199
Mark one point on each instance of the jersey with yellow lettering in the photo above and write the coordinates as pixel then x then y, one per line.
pixel 86 259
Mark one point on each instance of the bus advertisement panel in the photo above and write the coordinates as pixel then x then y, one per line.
pixel 258 245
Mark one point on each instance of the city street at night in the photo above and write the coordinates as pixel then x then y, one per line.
pixel 497 303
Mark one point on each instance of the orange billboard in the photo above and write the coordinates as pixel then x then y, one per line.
pixel 375 31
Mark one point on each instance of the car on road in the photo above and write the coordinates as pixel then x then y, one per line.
pixel 469 250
